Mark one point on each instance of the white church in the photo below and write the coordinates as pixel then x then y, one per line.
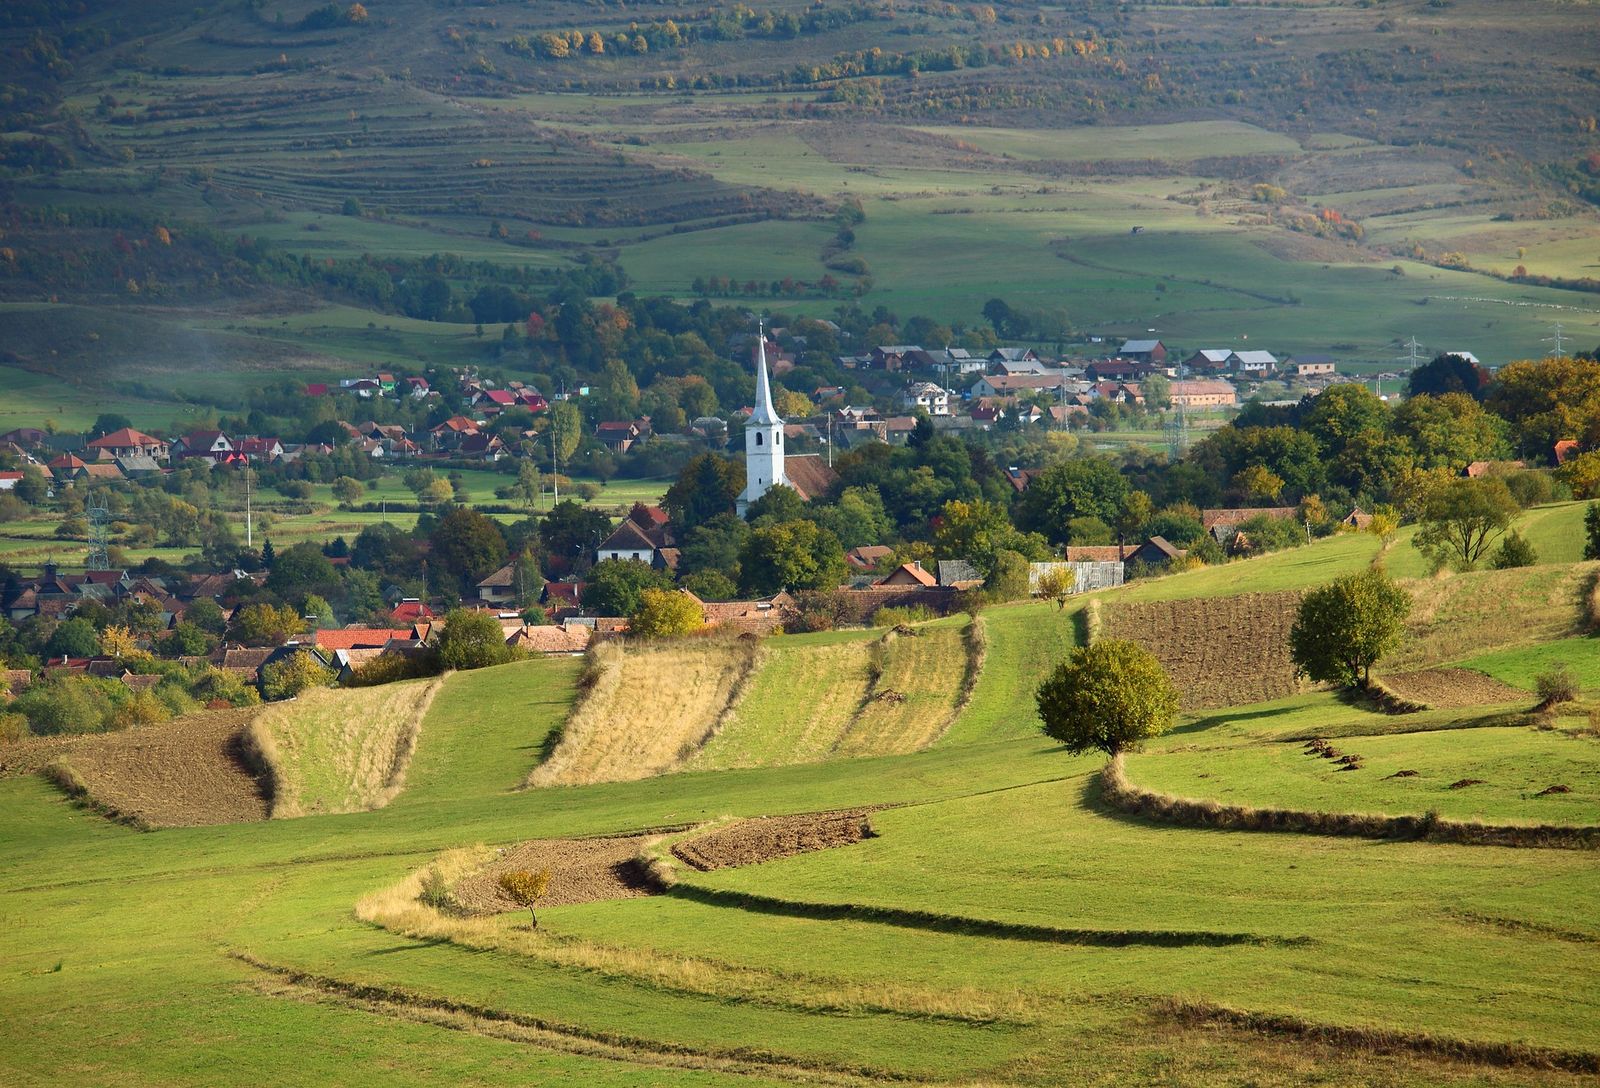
pixel 764 461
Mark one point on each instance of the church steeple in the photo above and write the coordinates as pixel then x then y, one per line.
pixel 763 435
pixel 765 415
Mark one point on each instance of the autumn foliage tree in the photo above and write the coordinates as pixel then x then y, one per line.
pixel 525 889
pixel 1345 627
pixel 1108 696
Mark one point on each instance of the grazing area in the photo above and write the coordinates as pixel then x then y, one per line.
pixel 1467 614
pixel 331 751
pixel 1219 652
pixel 646 711
pixel 188 772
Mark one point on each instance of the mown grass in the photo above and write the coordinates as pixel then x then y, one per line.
pixel 1023 642
pixel 914 695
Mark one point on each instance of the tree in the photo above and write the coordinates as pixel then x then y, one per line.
pixel 1008 579
pixel 1547 401
pixel 566 428
pixel 1448 374
pixel 118 642
pixel 73 638
pixel 614 585
pixel 107 423
pixel 791 555
pixel 1591 531
pixel 467 546
pixel 289 676
pixel 1514 551
pixel 472 640
pixel 1463 519
pixel 187 640
pixel 526 889
pixel 348 490
pixel 1257 484
pixel 267 625
pixel 1082 486
pixel 1108 696
pixel 528 486
pixel 665 613
pixel 303 569
pixel 571 530
pixel 1343 628
pixel 1450 431
pixel 708 485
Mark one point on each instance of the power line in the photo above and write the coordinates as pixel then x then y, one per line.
pixel 1556 341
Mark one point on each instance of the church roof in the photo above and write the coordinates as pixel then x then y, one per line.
pixel 765 415
pixel 809 474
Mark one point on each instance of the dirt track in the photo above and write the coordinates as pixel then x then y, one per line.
pixel 751 842
pixel 581 871
pixel 183 773
pixel 1446 688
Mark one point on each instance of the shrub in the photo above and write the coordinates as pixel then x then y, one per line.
pixel 1514 551
pixel 1109 696
pixel 893 616
pixel 1555 685
pixel 73 704
pixel 435 892
pixel 12 727
pixel 289 676
pixel 389 668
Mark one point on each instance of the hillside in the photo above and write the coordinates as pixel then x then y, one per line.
pixel 263 140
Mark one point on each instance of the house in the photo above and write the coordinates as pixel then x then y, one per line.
pixel 452 432
pixel 891 356
pixel 1004 357
pixel 316 389
pixel 1253 363
pixel 1152 352
pixel 211 444
pixel 410 610
pixel 98 471
pixel 1235 516
pixel 644 536
pixel 128 442
pixel 1312 366
pixel 359 638
pixel 1209 359
pixel 484 447
pixel 1479 469
pixel 958 574
pixel 9 480
pixel 1119 370
pixel 548 639
pixel 417 387
pixel 1020 478
pixel 618 435
pixel 908 574
pixel 1013 385
pixel 25 437
pixel 1357 519
pixel 960 360
pixel 501 586
pixel 64 467
pixel 867 556
pixel 260 449
pixel 1203 394
pixel 1564 451
pixel 499 398
pixel 758 617
pixel 927 396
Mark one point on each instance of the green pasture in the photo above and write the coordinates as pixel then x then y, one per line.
pixel 1511 760
pixel 1178 142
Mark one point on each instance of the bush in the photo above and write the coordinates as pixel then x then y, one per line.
pixel 892 616
pixel 666 613
pixel 1556 685
pixel 389 668
pixel 1514 551
pixel 1535 486
pixel 12 727
pixel 289 676
pixel 72 704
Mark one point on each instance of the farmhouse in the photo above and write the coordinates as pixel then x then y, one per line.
pixel 1253 363
pixel 644 536
pixel 1209 359
pixel 210 444
pixel 1203 394
pixel 1312 366
pixel 927 396
pixel 908 574
pixel 127 443
pixel 1152 352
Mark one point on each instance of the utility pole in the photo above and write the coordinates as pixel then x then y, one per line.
pixel 1557 342
pixel 249 519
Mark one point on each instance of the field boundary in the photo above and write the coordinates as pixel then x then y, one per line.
pixel 1381 1040
pixel 1122 795
pixel 557 1035
pixel 965 926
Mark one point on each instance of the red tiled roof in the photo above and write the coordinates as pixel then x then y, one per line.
pixel 809 475
pixel 1210 519
pixel 350 639
pixel 127 436
pixel 900 574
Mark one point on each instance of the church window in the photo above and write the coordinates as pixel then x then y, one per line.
pixel 758 438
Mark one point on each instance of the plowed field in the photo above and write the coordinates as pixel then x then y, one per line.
pixel 581 871
pixel 751 842
pixel 183 773
pixel 1453 688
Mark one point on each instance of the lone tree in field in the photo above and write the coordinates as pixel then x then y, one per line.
pixel 1109 696
pixel 1463 519
pixel 526 889
pixel 1346 626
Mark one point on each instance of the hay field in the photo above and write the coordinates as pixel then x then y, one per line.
pixel 341 750
pixel 799 703
pixel 1023 643
pixel 914 697
pixel 1463 615
pixel 647 711
pixel 1220 651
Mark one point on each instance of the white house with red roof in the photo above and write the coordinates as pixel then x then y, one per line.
pixel 128 442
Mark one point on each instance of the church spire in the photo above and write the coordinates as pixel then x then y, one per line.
pixel 765 415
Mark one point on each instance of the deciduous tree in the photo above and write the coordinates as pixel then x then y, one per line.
pixel 1108 696
pixel 1345 627
pixel 665 613
pixel 1463 519
pixel 525 889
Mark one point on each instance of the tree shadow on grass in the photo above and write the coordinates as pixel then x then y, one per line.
pixel 1201 724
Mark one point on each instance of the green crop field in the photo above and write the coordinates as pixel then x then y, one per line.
pixel 1001 926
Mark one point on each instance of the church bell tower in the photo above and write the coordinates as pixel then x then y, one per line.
pixel 763 436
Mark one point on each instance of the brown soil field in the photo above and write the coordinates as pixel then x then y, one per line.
pixel 1452 688
pixel 1219 651
pixel 751 842
pixel 30 755
pixel 183 773
pixel 581 871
